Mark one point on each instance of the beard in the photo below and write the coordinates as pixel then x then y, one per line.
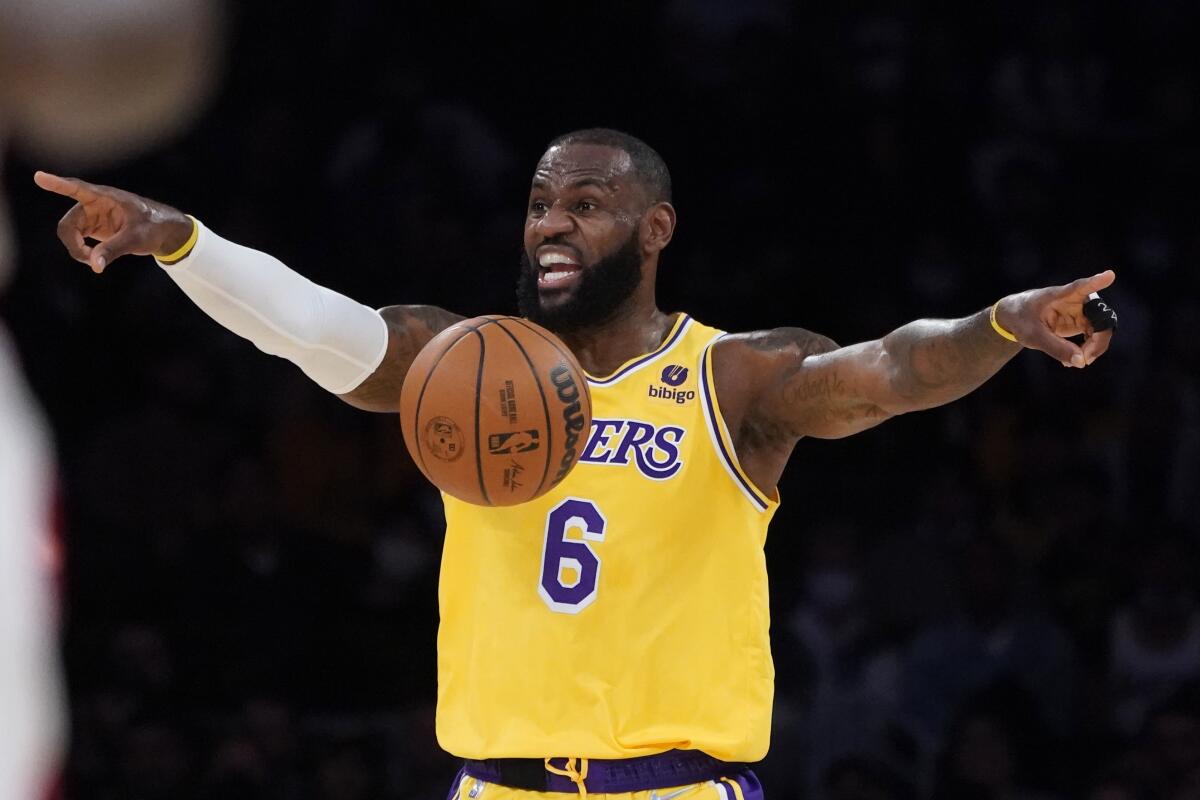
pixel 601 291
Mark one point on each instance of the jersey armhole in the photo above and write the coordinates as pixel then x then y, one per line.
pixel 719 434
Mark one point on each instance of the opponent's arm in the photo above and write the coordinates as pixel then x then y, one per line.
pixel 802 384
pixel 347 348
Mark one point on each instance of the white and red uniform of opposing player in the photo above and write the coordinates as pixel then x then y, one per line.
pixel 65 67
pixel 31 697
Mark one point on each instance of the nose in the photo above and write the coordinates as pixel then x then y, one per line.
pixel 555 222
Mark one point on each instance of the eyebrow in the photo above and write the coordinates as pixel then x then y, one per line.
pixel 540 183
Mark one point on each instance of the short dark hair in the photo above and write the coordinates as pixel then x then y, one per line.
pixel 648 165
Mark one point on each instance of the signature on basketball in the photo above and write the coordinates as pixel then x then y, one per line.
pixel 511 475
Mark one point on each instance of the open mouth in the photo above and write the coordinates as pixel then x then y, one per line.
pixel 557 268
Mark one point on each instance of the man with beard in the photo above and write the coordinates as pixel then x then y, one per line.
pixel 650 678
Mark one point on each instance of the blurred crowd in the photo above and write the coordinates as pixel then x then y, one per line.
pixel 997 600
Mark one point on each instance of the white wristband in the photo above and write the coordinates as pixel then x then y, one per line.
pixel 335 340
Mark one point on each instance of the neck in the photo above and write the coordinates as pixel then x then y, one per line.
pixel 637 328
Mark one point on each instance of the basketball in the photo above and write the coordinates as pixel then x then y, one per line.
pixel 495 410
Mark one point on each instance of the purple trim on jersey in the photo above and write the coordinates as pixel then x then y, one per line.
pixel 716 426
pixel 683 323
pixel 748 782
pixel 458 779
pixel 611 776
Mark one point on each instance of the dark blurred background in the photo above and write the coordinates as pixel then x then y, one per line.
pixel 997 599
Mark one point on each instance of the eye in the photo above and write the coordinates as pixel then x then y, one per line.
pixel 586 205
pixel 538 207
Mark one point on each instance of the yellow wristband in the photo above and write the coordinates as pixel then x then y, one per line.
pixel 999 329
pixel 191 242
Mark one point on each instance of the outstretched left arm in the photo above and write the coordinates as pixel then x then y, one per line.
pixel 793 383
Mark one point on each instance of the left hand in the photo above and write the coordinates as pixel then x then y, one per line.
pixel 1042 319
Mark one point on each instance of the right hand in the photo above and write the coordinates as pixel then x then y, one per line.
pixel 122 223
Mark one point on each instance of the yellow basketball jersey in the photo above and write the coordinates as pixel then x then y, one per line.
pixel 624 613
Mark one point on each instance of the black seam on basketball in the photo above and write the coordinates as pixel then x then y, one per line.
pixel 420 397
pixel 570 358
pixel 478 444
pixel 545 406
pixel 477 327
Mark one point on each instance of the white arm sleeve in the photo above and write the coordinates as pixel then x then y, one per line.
pixel 335 340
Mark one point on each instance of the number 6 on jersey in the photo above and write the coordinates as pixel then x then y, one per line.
pixel 570 567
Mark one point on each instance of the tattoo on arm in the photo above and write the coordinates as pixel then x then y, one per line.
pixel 818 389
pixel 933 362
pixel 409 329
pixel 797 344
pixel 763 426
pixel 822 386
pixel 828 402
pixel 794 341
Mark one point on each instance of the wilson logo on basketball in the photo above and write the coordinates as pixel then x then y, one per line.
pixel 572 414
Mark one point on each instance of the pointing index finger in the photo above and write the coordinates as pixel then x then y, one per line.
pixel 1080 289
pixel 69 187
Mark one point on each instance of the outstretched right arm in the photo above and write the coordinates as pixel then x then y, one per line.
pixel 359 354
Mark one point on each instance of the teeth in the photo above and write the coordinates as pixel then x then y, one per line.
pixel 554 258
pixel 556 276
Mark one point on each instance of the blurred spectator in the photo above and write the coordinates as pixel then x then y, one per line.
pixel 1172 743
pixel 990 638
pixel 864 778
pixel 1155 639
pixel 238 772
pixel 850 676
pixel 1117 787
pixel 156 762
pixel 997 749
pixel 343 772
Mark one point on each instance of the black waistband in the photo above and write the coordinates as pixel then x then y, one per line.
pixel 672 768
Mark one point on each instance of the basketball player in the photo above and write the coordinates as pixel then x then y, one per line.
pixel 31 691
pixel 610 636
pixel 62 99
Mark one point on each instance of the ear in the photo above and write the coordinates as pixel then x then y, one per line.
pixel 658 226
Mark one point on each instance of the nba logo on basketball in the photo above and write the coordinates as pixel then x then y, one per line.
pixel 672 375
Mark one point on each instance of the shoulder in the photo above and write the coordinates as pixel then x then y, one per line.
pixel 746 366
pixel 430 318
pixel 768 348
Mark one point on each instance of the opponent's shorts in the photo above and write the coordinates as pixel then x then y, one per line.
pixel 674 775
